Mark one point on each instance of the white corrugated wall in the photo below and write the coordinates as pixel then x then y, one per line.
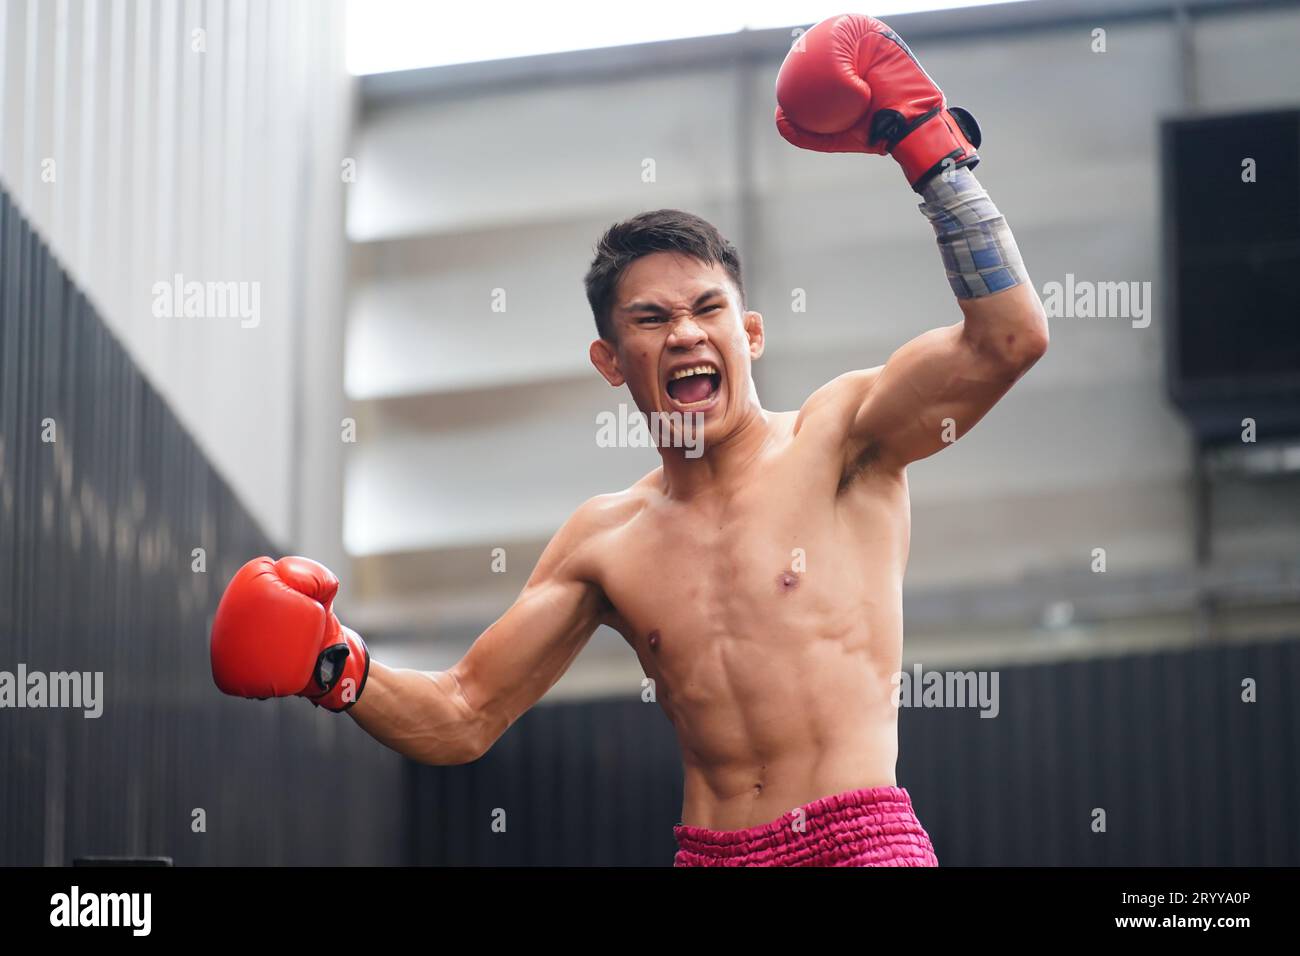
pixel 147 139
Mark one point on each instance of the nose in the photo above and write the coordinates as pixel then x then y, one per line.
pixel 685 334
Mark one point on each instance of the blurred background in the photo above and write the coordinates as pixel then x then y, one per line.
pixel 414 192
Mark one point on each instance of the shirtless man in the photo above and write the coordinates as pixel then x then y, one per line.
pixel 760 583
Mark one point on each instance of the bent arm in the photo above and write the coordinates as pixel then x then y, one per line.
pixel 936 387
pixel 454 716
pixel 939 385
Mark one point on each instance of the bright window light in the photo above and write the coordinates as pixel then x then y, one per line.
pixel 386 35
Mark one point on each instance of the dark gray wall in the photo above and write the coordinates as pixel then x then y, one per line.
pixel 96 534
pixel 1186 772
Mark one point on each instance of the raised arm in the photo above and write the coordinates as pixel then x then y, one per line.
pixel 852 85
pixel 936 387
pixel 454 716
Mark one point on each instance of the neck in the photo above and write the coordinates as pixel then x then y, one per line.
pixel 723 460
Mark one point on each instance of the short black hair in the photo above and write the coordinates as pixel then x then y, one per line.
pixel 662 230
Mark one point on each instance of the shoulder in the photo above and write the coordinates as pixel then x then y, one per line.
pixel 573 553
pixel 835 404
pixel 611 511
pixel 601 515
pixel 578 550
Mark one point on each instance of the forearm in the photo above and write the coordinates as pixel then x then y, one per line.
pixel 1002 313
pixel 423 715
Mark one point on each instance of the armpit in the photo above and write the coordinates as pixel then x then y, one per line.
pixel 859 465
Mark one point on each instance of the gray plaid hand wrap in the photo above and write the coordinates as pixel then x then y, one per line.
pixel 979 252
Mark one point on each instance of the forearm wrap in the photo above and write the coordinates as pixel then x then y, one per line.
pixel 979 252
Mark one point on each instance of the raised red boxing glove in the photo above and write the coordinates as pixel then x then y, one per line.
pixel 275 635
pixel 851 85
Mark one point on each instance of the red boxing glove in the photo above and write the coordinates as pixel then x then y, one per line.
pixel 851 85
pixel 274 635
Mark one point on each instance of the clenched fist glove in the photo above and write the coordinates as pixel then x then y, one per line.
pixel 275 635
pixel 851 85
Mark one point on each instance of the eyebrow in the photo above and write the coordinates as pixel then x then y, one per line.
pixel 657 309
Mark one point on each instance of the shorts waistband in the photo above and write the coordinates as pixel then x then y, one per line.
pixel 871 826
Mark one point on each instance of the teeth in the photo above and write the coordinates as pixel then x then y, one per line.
pixel 694 370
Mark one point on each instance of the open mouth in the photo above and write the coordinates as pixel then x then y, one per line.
pixel 695 385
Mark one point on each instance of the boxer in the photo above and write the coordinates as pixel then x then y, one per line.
pixel 760 582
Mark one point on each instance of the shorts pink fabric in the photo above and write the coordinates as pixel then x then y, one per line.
pixel 873 827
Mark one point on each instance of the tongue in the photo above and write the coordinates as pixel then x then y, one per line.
pixel 692 389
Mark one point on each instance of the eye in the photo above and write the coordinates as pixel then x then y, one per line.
pixel 711 308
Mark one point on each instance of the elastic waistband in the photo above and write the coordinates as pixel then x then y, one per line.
pixel 887 801
pixel 871 827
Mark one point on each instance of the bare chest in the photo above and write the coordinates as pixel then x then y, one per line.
pixel 770 567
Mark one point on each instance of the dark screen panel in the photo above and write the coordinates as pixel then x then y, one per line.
pixel 1236 253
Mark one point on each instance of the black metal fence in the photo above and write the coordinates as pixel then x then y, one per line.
pixel 1160 749
pixel 104 499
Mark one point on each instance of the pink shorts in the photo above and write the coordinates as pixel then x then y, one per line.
pixel 874 827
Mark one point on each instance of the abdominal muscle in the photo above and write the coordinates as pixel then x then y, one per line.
pixel 766 731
